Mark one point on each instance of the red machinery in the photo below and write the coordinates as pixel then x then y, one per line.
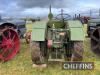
pixel 9 41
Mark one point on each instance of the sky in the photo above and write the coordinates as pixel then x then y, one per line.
pixel 40 8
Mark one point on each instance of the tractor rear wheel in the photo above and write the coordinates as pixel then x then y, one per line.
pixel 95 40
pixel 78 51
pixel 38 52
pixel 9 44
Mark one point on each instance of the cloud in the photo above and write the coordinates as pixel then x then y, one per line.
pixel 40 8
pixel 44 3
pixel 19 8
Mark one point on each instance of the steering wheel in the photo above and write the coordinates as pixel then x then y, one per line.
pixel 63 17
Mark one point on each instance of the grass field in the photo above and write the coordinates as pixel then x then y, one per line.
pixel 22 65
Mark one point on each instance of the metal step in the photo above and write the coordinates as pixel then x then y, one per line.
pixel 59 60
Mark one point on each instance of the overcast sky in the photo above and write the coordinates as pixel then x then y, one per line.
pixel 37 8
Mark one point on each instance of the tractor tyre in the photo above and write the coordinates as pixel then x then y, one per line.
pixel 38 52
pixel 78 50
pixel 95 40
pixel 68 50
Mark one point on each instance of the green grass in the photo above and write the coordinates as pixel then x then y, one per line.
pixel 22 65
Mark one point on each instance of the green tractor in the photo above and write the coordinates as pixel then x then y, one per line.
pixel 59 39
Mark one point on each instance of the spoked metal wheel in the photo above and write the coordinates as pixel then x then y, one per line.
pixel 78 51
pixel 95 40
pixel 9 44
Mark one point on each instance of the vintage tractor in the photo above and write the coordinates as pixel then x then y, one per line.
pixel 21 26
pixel 9 41
pixel 94 33
pixel 59 39
pixel 83 19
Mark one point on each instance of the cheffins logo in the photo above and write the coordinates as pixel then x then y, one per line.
pixel 78 65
